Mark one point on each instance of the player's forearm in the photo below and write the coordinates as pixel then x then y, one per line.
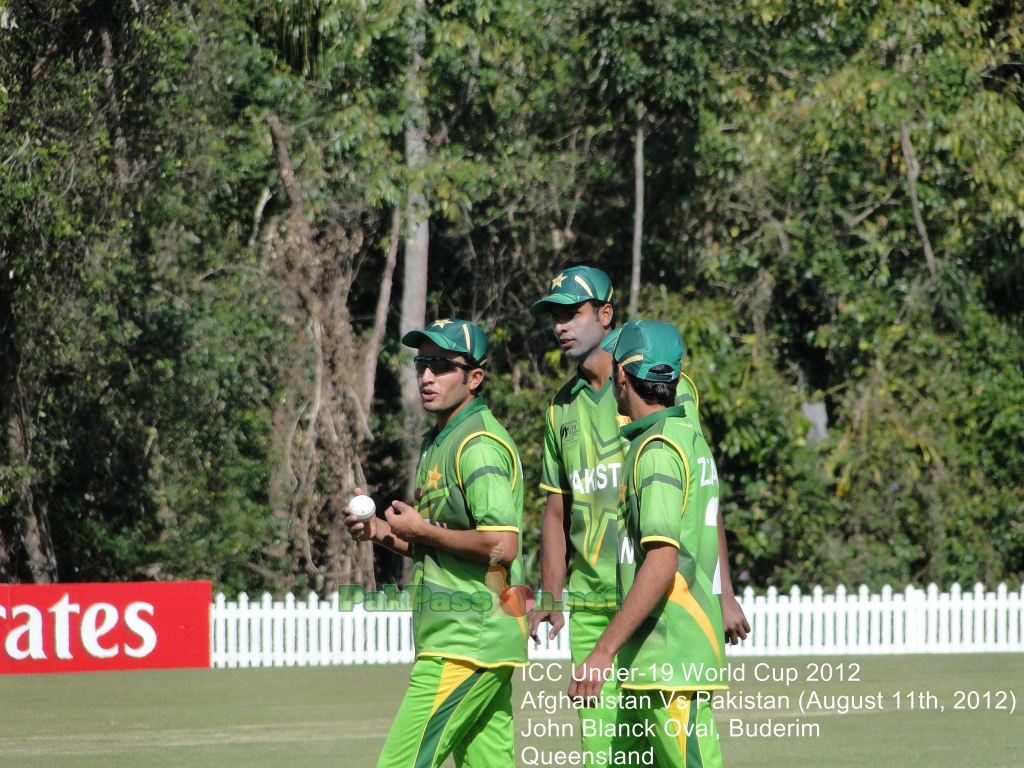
pixel 473 545
pixel 552 545
pixel 723 559
pixel 386 538
pixel 652 582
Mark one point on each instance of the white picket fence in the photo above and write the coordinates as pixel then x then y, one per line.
pixel 314 632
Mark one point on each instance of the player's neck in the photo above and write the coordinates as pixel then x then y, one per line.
pixel 596 368
pixel 638 409
pixel 443 417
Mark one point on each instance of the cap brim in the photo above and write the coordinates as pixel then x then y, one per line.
pixel 415 340
pixel 608 343
pixel 556 299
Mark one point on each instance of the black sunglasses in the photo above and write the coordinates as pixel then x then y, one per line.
pixel 438 365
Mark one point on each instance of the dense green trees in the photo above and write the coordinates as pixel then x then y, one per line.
pixel 834 214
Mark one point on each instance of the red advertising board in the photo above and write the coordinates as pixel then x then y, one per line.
pixel 97 627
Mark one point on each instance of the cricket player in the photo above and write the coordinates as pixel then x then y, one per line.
pixel 464 536
pixel 668 639
pixel 584 455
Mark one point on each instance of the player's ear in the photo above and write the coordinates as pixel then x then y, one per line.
pixel 606 315
pixel 476 378
pixel 621 379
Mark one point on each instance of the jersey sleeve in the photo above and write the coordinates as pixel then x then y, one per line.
pixel 553 478
pixel 661 477
pixel 687 396
pixel 488 472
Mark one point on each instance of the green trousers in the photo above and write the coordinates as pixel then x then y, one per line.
pixel 453 708
pixel 597 725
pixel 682 733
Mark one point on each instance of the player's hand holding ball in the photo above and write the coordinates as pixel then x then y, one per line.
pixel 360 517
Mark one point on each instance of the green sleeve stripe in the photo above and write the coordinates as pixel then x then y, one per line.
pixel 476 435
pixel 484 471
pixel 657 477
pixel 676 448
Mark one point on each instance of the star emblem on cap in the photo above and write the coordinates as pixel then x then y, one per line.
pixel 557 282
pixel 442 323
pixel 433 478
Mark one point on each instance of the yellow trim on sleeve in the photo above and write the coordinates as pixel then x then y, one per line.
pixel 696 394
pixel 686 464
pixel 549 489
pixel 510 528
pixel 663 539
pixel 495 438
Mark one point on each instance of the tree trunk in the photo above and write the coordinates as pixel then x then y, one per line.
pixel 32 517
pixel 324 456
pixel 120 145
pixel 638 216
pixel 380 318
pixel 5 561
pixel 913 171
pixel 417 239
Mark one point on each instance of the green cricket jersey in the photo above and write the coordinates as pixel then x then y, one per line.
pixel 687 397
pixel 469 476
pixel 671 495
pixel 583 456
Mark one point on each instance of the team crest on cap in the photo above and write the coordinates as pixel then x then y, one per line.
pixel 441 323
pixel 557 282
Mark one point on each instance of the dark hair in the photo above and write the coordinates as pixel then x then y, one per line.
pixel 596 304
pixel 661 393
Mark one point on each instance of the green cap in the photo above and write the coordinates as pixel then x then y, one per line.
pixel 574 286
pixel 608 344
pixel 646 344
pixel 456 335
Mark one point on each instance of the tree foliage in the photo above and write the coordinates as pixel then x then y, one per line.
pixel 159 347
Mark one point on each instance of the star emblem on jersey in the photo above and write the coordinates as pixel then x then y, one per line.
pixel 557 282
pixel 441 323
pixel 433 478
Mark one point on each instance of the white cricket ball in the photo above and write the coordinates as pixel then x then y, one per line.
pixel 362 507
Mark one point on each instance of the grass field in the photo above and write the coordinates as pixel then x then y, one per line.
pixel 340 716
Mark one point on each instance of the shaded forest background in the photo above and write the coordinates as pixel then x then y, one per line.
pixel 200 204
